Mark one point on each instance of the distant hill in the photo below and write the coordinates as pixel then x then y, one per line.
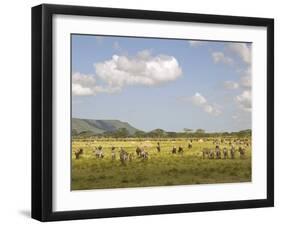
pixel 91 126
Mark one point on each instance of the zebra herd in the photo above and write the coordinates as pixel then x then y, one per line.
pixel 141 153
pixel 124 156
pixel 217 153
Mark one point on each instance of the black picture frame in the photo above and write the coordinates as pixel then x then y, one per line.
pixel 42 111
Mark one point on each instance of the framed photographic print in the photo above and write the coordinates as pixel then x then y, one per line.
pixel 145 112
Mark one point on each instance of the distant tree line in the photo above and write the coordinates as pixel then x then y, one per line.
pixel 159 133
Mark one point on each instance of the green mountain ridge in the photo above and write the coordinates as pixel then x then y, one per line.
pixel 92 126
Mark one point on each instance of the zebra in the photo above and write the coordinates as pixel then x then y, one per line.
pixel 99 152
pixel 232 152
pixel 174 150
pixel 124 156
pixel 180 150
pixel 158 147
pixel 211 154
pixel 138 151
pixel 144 154
pixel 78 153
pixel 113 153
pixel 225 153
pixel 218 152
pixel 242 152
pixel 205 153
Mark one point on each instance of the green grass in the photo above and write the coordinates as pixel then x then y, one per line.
pixel 161 169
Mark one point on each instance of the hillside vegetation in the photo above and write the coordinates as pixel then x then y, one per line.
pixel 95 127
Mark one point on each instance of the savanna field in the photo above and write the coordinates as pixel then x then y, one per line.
pixel 160 169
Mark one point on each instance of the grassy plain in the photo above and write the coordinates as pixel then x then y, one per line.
pixel 161 169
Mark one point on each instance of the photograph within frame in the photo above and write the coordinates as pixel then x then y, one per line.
pixel 164 75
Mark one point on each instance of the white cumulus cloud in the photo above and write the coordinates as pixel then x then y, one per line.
pixel 120 71
pixel 200 101
pixel 86 85
pixel 246 79
pixel 142 69
pixel 242 50
pixel 194 43
pixel 244 100
pixel 83 85
pixel 220 57
pixel 231 85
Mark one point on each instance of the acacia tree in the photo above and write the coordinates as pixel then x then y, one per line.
pixel 122 133
pixel 187 130
pixel 140 133
pixel 200 131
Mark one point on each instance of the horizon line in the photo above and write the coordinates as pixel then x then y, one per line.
pixel 193 130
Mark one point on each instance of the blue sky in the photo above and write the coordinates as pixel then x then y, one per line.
pixel 162 83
